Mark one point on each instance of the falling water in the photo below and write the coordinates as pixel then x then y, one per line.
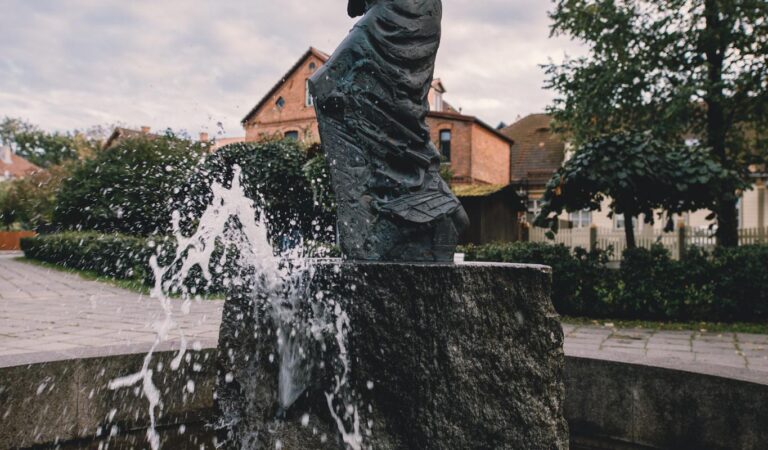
pixel 233 221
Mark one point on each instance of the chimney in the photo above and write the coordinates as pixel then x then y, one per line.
pixel 204 137
pixel 5 153
pixel 145 129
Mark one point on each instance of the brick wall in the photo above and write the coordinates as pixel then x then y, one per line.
pixel 294 115
pixel 490 156
pixel 461 143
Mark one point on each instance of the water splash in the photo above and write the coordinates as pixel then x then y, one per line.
pixel 232 221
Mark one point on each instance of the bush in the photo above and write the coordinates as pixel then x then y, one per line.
pixel 723 286
pixel 112 255
pixel 579 280
pixel 127 258
pixel 30 202
pixel 286 182
pixel 740 283
pixel 128 188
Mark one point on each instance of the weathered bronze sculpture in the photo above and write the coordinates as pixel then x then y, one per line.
pixel 371 99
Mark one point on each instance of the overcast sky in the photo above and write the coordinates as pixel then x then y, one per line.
pixel 191 64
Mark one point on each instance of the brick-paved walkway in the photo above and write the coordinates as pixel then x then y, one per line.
pixel 46 311
pixel 43 310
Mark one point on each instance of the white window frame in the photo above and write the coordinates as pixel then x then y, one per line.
pixel 308 100
pixel 581 219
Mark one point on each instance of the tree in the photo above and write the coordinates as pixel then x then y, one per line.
pixel 31 201
pixel 676 68
pixel 639 175
pixel 48 149
pixel 290 184
pixel 129 188
pixel 7 211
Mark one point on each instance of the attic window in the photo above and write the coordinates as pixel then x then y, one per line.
pixel 280 103
pixel 312 66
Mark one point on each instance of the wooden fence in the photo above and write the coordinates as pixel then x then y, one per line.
pixel 11 240
pixel 676 241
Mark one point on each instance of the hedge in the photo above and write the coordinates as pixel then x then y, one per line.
pixel 127 257
pixel 727 285
pixel 113 255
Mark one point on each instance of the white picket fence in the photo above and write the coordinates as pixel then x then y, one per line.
pixel 605 238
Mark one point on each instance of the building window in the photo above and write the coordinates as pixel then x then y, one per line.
pixel 280 103
pixel 312 66
pixel 307 95
pixel 619 222
pixel 292 135
pixel 445 144
pixel 580 219
pixel 534 209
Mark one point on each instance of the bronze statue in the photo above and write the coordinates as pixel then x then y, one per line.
pixel 371 99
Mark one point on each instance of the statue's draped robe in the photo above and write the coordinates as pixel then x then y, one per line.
pixel 372 102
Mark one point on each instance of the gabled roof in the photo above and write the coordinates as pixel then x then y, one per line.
pixel 120 133
pixel 17 167
pixel 463 118
pixel 538 152
pixel 322 56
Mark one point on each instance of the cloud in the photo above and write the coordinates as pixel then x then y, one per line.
pixel 190 64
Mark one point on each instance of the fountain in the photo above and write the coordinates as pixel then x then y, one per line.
pixel 393 346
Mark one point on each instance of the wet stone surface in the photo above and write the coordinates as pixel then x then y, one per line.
pixel 441 356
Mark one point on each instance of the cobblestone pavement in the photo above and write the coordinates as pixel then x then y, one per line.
pixel 42 310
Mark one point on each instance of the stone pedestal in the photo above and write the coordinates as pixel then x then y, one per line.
pixel 442 356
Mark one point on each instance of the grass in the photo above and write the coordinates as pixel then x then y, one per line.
pixel 712 327
pixel 131 285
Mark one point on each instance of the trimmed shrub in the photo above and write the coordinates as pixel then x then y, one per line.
pixel 580 280
pixel 112 255
pixel 729 284
pixel 127 258
pixel 740 279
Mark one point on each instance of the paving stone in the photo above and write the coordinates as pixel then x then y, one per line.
pixel 683 356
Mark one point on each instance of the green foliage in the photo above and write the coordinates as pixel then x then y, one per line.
pixel 114 255
pixel 672 67
pixel 728 285
pixel 124 257
pixel 578 279
pixel 648 66
pixel 128 188
pixel 284 183
pixel 638 174
pixel 47 149
pixel 7 210
pixel 31 201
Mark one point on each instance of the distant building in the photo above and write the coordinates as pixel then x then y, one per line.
pixel 538 152
pixel 13 166
pixel 120 133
